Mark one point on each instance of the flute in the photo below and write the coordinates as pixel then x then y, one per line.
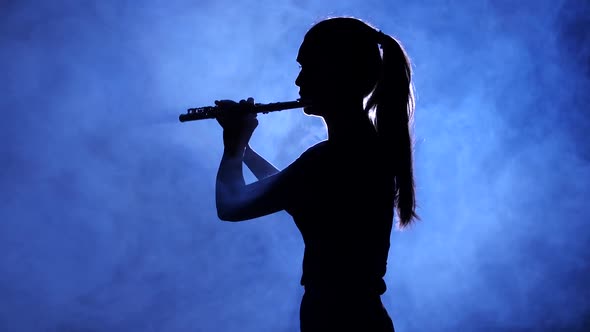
pixel 211 112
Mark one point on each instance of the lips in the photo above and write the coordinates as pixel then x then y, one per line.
pixel 303 97
pixel 305 101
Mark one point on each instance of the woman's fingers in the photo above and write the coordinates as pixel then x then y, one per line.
pixel 237 114
pixel 225 103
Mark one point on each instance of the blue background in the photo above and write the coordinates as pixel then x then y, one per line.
pixel 107 218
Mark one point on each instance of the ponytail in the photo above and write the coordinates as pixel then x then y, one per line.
pixel 392 111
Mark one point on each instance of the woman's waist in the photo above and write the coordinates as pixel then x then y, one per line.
pixel 356 285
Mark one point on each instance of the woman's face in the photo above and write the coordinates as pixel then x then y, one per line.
pixel 315 80
pixel 322 79
pixel 329 76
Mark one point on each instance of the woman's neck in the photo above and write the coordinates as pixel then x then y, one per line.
pixel 347 122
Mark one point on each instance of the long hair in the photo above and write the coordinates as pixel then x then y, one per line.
pixel 384 78
pixel 392 105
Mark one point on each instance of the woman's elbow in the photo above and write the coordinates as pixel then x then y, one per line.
pixel 225 217
pixel 223 210
pixel 225 214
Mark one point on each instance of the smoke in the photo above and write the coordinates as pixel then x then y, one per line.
pixel 107 212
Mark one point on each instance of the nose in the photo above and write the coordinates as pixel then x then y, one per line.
pixel 299 78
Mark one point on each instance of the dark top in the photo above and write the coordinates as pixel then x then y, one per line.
pixel 342 202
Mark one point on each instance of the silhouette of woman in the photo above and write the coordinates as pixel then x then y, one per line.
pixel 344 192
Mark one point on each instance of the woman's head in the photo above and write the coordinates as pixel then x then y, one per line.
pixel 340 60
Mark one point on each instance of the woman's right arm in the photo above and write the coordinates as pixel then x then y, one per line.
pixel 259 166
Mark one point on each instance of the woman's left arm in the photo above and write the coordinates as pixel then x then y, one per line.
pixel 259 166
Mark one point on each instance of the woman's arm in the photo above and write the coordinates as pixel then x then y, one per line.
pixel 259 166
pixel 229 183
pixel 235 200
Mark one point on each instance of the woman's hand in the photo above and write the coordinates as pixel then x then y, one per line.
pixel 238 123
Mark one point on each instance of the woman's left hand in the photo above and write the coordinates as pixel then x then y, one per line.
pixel 238 123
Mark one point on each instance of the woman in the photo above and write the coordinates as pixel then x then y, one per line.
pixel 343 192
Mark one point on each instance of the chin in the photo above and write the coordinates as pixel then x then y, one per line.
pixel 310 110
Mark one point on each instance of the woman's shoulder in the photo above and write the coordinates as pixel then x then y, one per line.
pixel 315 150
pixel 311 157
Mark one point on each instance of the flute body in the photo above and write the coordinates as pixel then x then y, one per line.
pixel 211 112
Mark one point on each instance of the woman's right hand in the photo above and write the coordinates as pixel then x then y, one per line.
pixel 238 122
